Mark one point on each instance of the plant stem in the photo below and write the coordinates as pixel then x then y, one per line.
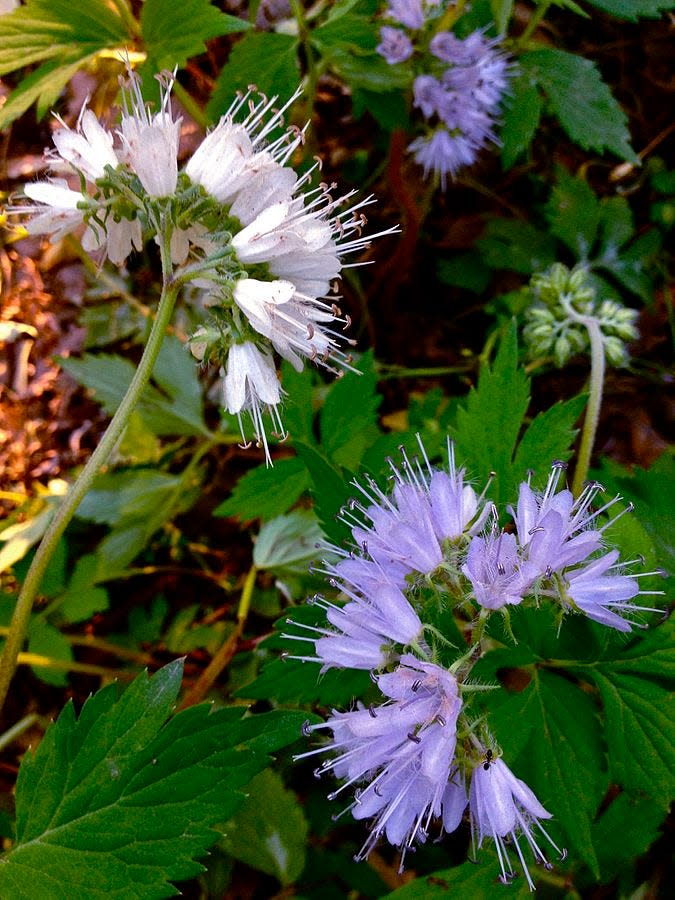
pixel 592 409
pixel 533 24
pixel 208 677
pixel 20 620
pixel 310 57
pixel 18 729
pixel 595 388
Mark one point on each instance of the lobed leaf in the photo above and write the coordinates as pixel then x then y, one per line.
pixel 118 802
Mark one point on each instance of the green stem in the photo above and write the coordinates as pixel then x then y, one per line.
pixel 310 56
pixel 533 24
pixel 24 605
pixel 593 408
pixel 595 388
pixel 18 729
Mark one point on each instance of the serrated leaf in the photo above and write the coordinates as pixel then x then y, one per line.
pixel 562 760
pixel 490 419
pixel 118 802
pixel 42 29
pixel 573 213
pixel 269 831
pixel 639 718
pixel 581 100
pixel 289 681
pixel 43 85
pixel 632 10
pixel 279 76
pixel 520 118
pixel 329 489
pixel 171 38
pixel 349 415
pixel 264 492
pixel 549 436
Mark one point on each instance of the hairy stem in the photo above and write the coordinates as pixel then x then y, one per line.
pixel 24 605
pixel 593 408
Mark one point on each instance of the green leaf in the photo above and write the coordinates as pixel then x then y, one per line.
pixel 279 76
pixel 639 712
pixel 549 436
pixel 625 831
pixel 581 100
pixel 42 29
pixel 288 543
pixel 45 640
pixel 520 118
pixel 118 802
pixel 269 831
pixel 573 213
pixel 172 37
pixel 561 757
pixel 290 681
pixel 467 880
pixel 350 31
pixel 515 245
pixel 43 85
pixel 172 408
pixel 633 9
pixel 465 270
pixel 501 12
pixel 67 34
pixel 490 419
pixel 121 495
pixel 370 72
pixel 349 414
pixel 299 406
pixel 330 489
pixel 264 492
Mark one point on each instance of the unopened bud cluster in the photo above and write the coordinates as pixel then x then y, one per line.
pixel 561 299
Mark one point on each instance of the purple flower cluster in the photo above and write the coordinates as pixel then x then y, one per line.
pixel 554 553
pixel 464 100
pixel 401 754
pixel 460 90
pixel 408 760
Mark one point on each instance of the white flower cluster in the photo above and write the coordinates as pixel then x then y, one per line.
pixel 264 246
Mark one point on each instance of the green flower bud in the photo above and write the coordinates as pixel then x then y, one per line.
pixel 615 351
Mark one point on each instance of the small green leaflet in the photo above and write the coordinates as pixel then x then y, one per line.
pixel 279 76
pixel 490 421
pixel 172 406
pixel 269 831
pixel 172 36
pixel 266 492
pixel 118 802
pixel 633 9
pixel 581 100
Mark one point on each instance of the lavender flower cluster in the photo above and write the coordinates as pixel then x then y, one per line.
pixel 459 91
pixel 419 758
